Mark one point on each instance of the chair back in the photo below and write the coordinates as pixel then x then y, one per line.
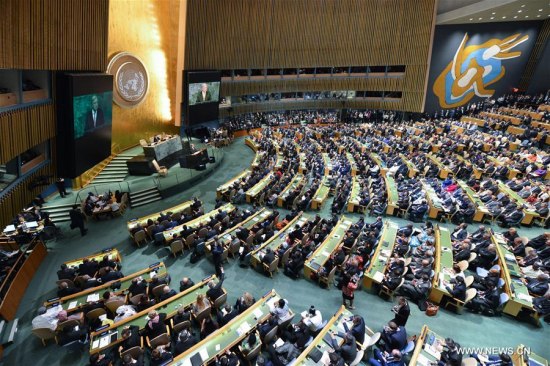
pixel 220 301
pixel 161 340
pixel 500 282
pixel 176 246
pixel 67 323
pixel 96 313
pixel 273 266
pixel 164 223
pixel 139 237
pixel 190 240
pixel 271 335
pixel 143 143
pixel 503 299
pixel 469 361
pixel 134 352
pixel 134 300
pixel 203 232
pixel 159 238
pixel 473 256
pixel 113 305
pixel 284 324
pixel 157 291
pixel 463 265
pixel 468 281
pixel 470 294
pixel 44 334
pixel 176 329
pixel 234 247
pixel 254 352
pixel 203 314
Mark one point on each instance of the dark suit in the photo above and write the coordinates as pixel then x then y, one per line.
pixel 458 291
pixel 99 121
pixel 199 98
pixel 215 291
pixel 133 340
pixel 402 315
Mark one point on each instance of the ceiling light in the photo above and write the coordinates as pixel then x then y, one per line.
pixel 540 9
pixel 479 18
pixel 492 17
pixel 519 11
pixel 527 16
pixel 538 16
pixel 516 17
pixel 471 19
pixel 504 17
pixel 523 6
pixel 493 13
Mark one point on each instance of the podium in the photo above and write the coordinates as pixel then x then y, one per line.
pixel 192 161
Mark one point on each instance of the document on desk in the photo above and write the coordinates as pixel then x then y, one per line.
pixel 9 228
pixel 95 344
pixel 378 276
pixel 204 353
pixel 271 302
pixel 325 253
pixel 104 341
pixel 422 360
pixel 73 304
pixel 92 297
pixel 524 297
pixel 258 313
pixel 347 222
pixel 431 351
pixel 218 347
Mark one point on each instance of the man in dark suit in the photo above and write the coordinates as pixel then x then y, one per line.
pixel 95 117
pixel 186 283
pixel 138 286
pixel 227 315
pixel 77 220
pixel 167 293
pixel 214 290
pixel 401 311
pixel 131 338
pixel 394 337
pixel 458 291
pixel 204 95
pixel 88 267
pixel 66 273
pixel 111 275
pixel 538 286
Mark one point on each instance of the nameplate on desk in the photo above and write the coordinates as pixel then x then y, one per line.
pixel 106 250
pixel 53 299
pixel 102 328
pixel 154 265
pixel 206 278
pixel 55 304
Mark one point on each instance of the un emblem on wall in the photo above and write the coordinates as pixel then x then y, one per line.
pixel 131 81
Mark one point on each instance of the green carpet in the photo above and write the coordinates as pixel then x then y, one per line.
pixel 467 329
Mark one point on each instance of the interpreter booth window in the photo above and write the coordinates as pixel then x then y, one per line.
pixel 241 74
pixel 393 95
pixel 288 95
pixel 8 173
pixel 340 71
pixel 33 158
pixel 274 73
pixel 307 72
pixel 323 72
pixel 376 71
pixel 290 73
pixel 395 70
pixel 227 75
pixel 256 74
pixel 358 71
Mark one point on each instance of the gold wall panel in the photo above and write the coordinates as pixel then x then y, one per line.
pixel 54 34
pixel 149 30
pixel 24 128
pixel 240 34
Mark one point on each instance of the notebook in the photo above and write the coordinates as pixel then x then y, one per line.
pixel 315 354
pixel 196 359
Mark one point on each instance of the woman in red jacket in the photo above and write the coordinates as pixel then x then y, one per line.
pixel 348 290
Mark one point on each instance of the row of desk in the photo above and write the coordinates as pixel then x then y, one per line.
pixel 184 208
pixel 377 268
pixel 109 336
pixel 529 213
pixel 296 181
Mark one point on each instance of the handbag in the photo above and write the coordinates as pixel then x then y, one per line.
pixel 431 309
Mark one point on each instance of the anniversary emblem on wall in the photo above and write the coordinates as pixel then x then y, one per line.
pixel 131 81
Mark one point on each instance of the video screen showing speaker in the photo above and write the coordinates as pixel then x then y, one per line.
pixel 85 113
pixel 203 96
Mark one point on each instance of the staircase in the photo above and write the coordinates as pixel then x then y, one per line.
pixel 58 213
pixel 144 197
pixel 115 171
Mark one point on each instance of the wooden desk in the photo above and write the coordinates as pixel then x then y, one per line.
pixel 295 182
pixel 352 164
pixel 520 299
pixel 529 214
pixel 254 191
pixel 113 254
pixel 379 260
pixel 169 234
pixel 433 200
pixel 481 210
pixel 184 207
pixel 443 170
pixel 428 348
pixel 321 194
pixel 443 264
pixel 18 279
pixel 275 242
pixel 227 185
pixel 413 171
pixel 231 334
pixel 169 306
pixel 318 258
pixel 354 197
pixel 523 357
pixel 393 196
pixel 76 302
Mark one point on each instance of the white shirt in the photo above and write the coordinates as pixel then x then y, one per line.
pixel 94 116
pixel 314 322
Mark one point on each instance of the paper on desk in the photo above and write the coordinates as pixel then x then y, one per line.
pixel 347 222
pixel 72 304
pixel 104 341
pixel 430 350
pixel 378 276
pixel 525 297
pixel 386 252
pixel 218 347
pixel 258 313
pixel 95 344
pixel 279 343
pixel 204 353
pixel 271 302
pixel 92 297
pixel 422 360
pixel 9 228
pixel 325 253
